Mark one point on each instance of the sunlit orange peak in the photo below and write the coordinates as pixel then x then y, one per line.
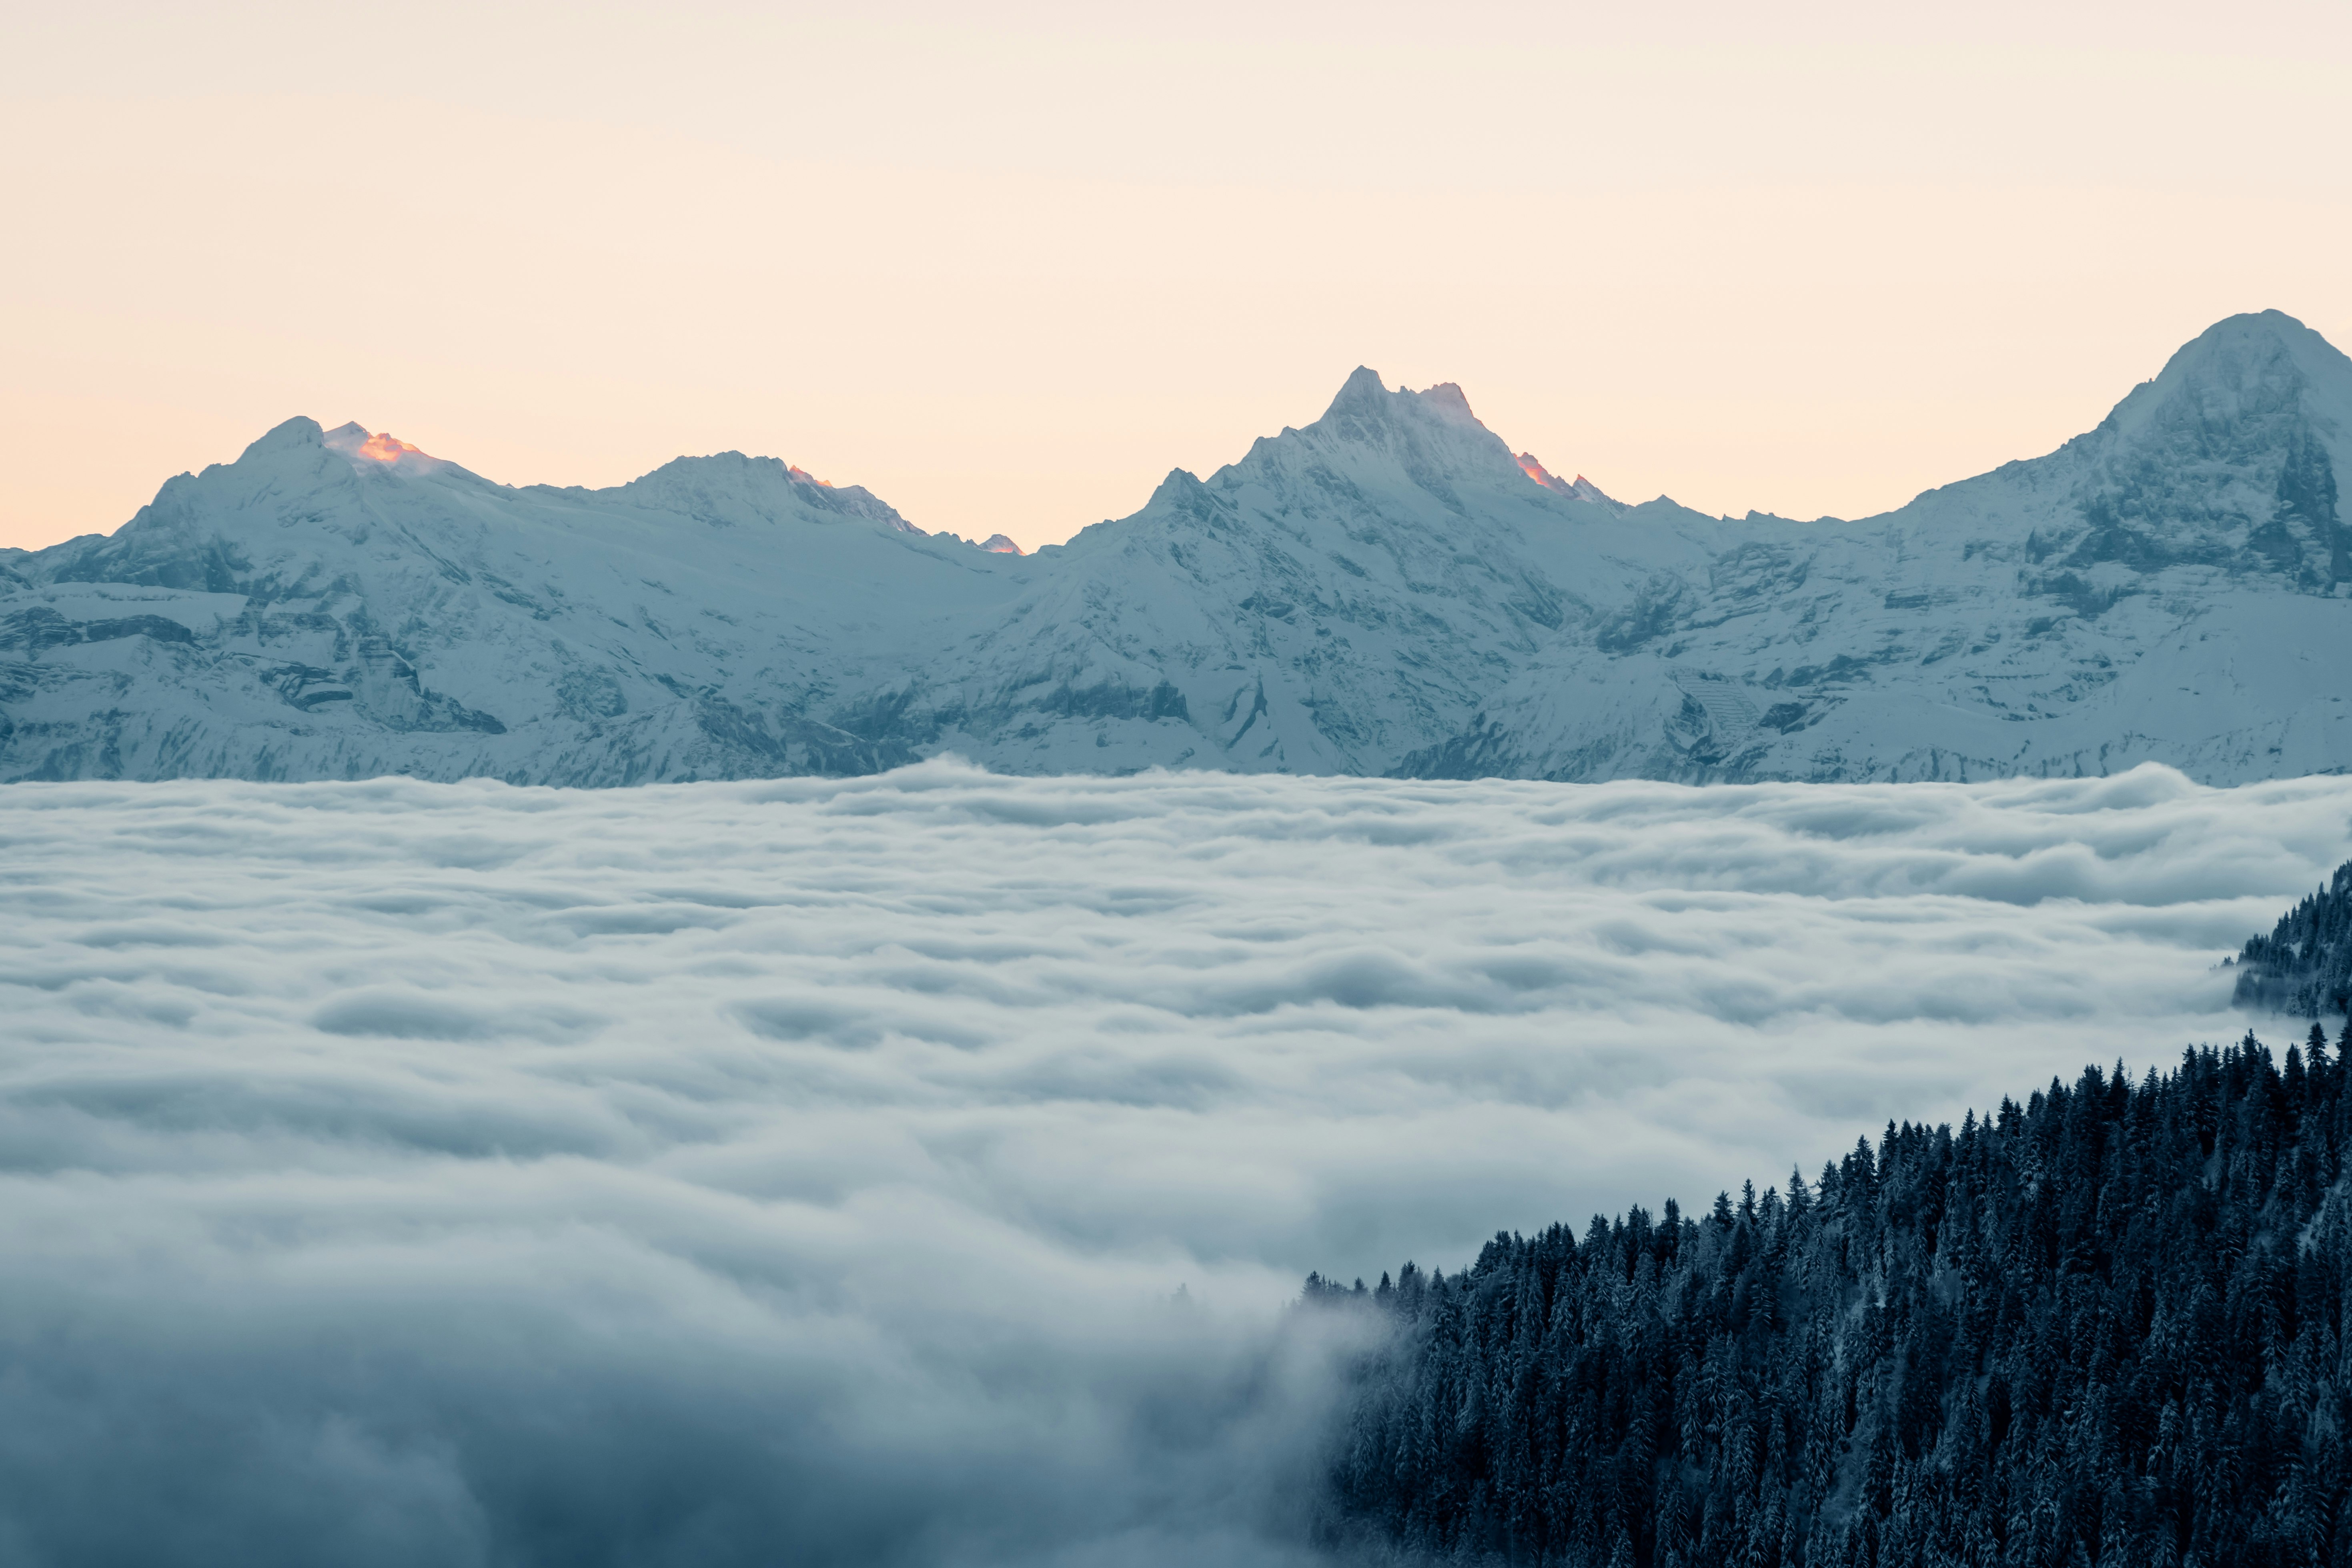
pixel 385 447
pixel 1537 472
pixel 804 477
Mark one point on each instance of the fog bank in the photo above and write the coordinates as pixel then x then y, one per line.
pixel 808 1171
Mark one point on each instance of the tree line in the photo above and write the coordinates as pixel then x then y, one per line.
pixel 2107 1326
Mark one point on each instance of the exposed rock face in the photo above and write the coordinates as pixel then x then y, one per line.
pixel 1388 590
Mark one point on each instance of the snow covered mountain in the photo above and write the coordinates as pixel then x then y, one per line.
pixel 1390 590
pixel 2170 587
pixel 340 605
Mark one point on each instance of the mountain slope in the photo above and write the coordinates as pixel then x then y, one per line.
pixel 2168 587
pixel 1390 589
pixel 335 605
pixel 1342 596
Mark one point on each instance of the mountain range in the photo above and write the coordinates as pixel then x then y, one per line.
pixel 1392 589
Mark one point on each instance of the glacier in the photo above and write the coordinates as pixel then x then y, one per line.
pixel 1391 590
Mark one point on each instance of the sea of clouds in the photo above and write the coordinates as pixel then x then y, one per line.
pixel 916 1169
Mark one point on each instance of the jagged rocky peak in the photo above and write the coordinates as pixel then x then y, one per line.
pixel 1446 400
pixel 998 544
pixel 1582 489
pixel 1363 395
pixel 1430 435
pixel 1533 467
pixel 1585 490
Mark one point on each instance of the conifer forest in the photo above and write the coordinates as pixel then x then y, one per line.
pixel 2107 1326
pixel 2305 965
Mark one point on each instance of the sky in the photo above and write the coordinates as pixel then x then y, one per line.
pixel 1007 266
pixel 914 1169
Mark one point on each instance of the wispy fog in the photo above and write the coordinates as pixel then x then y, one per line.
pixel 807 1171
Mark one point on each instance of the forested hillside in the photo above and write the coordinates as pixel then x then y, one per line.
pixel 2305 965
pixel 2106 1326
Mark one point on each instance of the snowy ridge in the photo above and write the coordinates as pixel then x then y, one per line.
pixel 1392 589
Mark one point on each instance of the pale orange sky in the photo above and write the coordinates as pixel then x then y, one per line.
pixel 1006 266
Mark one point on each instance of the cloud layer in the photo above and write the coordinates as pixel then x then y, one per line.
pixel 807 1169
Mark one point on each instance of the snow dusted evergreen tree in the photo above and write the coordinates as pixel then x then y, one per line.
pixel 2305 965
pixel 2111 1325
